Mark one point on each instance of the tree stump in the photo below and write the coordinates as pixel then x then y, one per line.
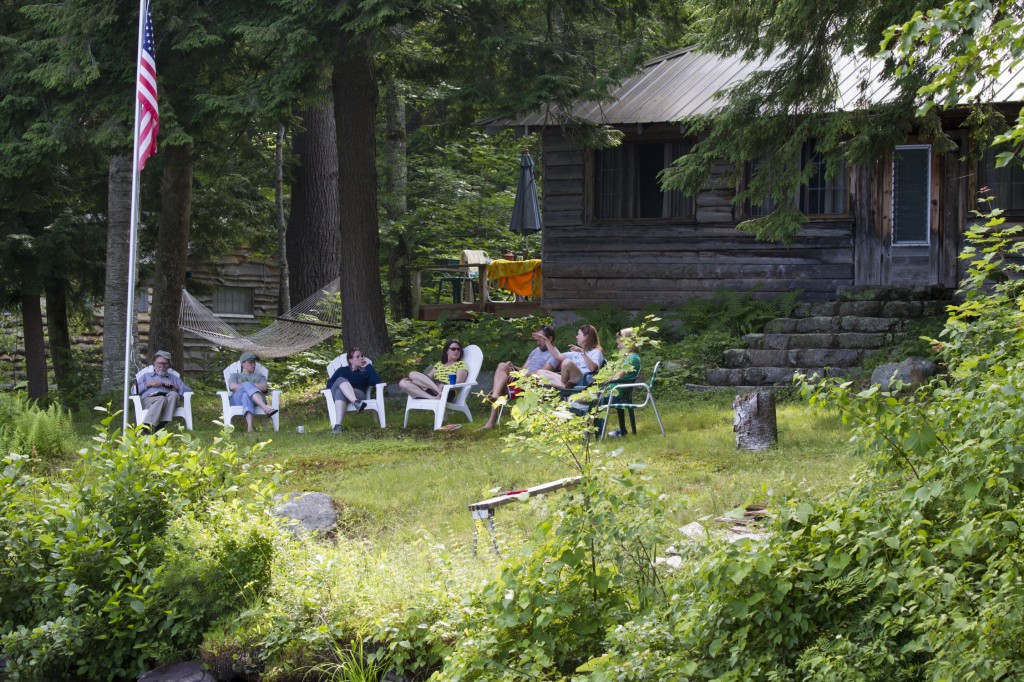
pixel 754 420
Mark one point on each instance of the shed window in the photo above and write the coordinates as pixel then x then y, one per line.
pixel 1005 185
pixel 626 181
pixel 911 194
pixel 820 196
pixel 232 301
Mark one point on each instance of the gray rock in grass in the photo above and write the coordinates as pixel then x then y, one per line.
pixel 311 513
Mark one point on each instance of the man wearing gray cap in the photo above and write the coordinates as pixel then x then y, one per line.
pixel 160 391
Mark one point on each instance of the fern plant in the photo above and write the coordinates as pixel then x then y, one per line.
pixel 31 429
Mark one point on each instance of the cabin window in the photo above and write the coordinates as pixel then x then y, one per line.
pixel 1005 185
pixel 820 196
pixel 911 194
pixel 626 182
pixel 232 301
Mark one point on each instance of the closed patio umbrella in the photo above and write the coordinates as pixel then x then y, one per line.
pixel 526 209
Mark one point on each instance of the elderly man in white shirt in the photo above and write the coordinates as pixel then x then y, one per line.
pixel 160 391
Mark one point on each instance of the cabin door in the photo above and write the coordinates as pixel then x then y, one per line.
pixel 913 236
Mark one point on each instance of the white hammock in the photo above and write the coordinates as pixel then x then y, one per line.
pixel 308 323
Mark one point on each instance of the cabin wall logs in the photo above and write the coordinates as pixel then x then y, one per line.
pixel 631 265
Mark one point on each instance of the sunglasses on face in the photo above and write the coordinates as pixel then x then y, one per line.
pixel 454 348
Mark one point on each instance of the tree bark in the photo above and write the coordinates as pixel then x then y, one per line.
pixel 283 296
pixel 396 180
pixel 58 332
pixel 754 420
pixel 171 252
pixel 35 346
pixel 313 239
pixel 115 296
pixel 354 86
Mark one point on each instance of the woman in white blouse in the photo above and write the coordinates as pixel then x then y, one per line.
pixel 579 364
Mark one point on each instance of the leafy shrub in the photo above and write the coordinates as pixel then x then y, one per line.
pixel 915 572
pixel 85 560
pixel 28 428
pixel 590 569
pixel 733 312
pixel 688 360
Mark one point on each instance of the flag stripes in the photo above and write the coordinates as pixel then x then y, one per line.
pixel 149 124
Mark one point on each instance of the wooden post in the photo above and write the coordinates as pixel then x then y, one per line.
pixel 754 420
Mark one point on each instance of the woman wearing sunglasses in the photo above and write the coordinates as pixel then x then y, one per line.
pixel 428 384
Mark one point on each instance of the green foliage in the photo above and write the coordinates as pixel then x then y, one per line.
pixel 352 664
pixel 737 313
pixel 688 361
pixel 460 194
pixel 590 567
pixel 914 572
pixel 28 428
pixel 731 312
pixel 498 338
pixel 86 560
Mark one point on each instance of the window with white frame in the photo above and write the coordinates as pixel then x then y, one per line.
pixel 626 181
pixel 911 194
pixel 232 301
pixel 1004 185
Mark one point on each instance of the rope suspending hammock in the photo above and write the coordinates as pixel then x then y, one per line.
pixel 308 323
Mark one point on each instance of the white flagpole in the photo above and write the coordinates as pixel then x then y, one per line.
pixel 134 231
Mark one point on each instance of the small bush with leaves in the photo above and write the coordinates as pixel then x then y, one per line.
pixel 85 564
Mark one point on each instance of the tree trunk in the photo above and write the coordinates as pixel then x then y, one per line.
pixel 171 252
pixel 115 295
pixel 35 346
pixel 283 297
pixel 313 237
pixel 754 420
pixel 354 86
pixel 396 179
pixel 58 332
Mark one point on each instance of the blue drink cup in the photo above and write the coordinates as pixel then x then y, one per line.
pixel 451 379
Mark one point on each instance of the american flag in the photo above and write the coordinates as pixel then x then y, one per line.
pixel 149 115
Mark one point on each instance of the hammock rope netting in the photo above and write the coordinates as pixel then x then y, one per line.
pixel 315 319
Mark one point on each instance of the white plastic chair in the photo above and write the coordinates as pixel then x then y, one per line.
pixel 374 399
pixel 230 411
pixel 184 409
pixel 474 358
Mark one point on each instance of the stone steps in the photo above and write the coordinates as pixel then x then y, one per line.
pixel 829 338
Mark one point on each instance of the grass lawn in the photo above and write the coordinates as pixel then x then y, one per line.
pixel 397 485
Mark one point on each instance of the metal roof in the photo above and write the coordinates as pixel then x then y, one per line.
pixel 684 83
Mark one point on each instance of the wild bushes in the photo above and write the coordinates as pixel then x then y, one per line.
pixel 916 572
pixel 86 585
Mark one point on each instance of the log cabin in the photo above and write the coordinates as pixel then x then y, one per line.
pixel 612 235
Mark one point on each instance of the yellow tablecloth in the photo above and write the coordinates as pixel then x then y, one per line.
pixel 518 276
